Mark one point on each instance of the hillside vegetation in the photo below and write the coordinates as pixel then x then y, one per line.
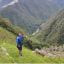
pixel 28 42
pixel 29 14
pixel 5 23
pixel 52 32
pixel 9 52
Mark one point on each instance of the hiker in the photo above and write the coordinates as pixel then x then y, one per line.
pixel 19 41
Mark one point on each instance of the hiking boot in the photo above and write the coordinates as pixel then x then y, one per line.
pixel 20 54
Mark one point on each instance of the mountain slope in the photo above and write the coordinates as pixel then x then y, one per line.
pixel 29 14
pixel 9 52
pixel 52 32
pixel 6 23
pixel 28 42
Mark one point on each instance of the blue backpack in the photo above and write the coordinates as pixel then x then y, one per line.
pixel 19 39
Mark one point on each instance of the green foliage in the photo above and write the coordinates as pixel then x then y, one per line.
pixel 31 14
pixel 7 41
pixel 5 23
pixel 27 22
pixel 52 32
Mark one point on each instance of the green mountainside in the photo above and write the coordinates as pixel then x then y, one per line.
pixel 52 32
pixel 9 52
pixel 43 39
pixel 29 14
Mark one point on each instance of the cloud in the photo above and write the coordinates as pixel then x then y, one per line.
pixel 11 3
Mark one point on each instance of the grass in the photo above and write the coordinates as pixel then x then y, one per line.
pixel 7 40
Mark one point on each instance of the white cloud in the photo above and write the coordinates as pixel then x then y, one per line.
pixel 11 3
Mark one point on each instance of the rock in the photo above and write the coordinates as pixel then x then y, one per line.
pixel 4 51
pixel 7 54
pixel 33 51
pixel 50 55
pixel 44 53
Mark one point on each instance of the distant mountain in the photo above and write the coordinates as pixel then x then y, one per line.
pixel 29 14
pixel 4 2
pixel 52 32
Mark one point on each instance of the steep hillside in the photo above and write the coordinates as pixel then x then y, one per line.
pixel 9 52
pixel 6 23
pixel 52 32
pixel 29 14
pixel 28 42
